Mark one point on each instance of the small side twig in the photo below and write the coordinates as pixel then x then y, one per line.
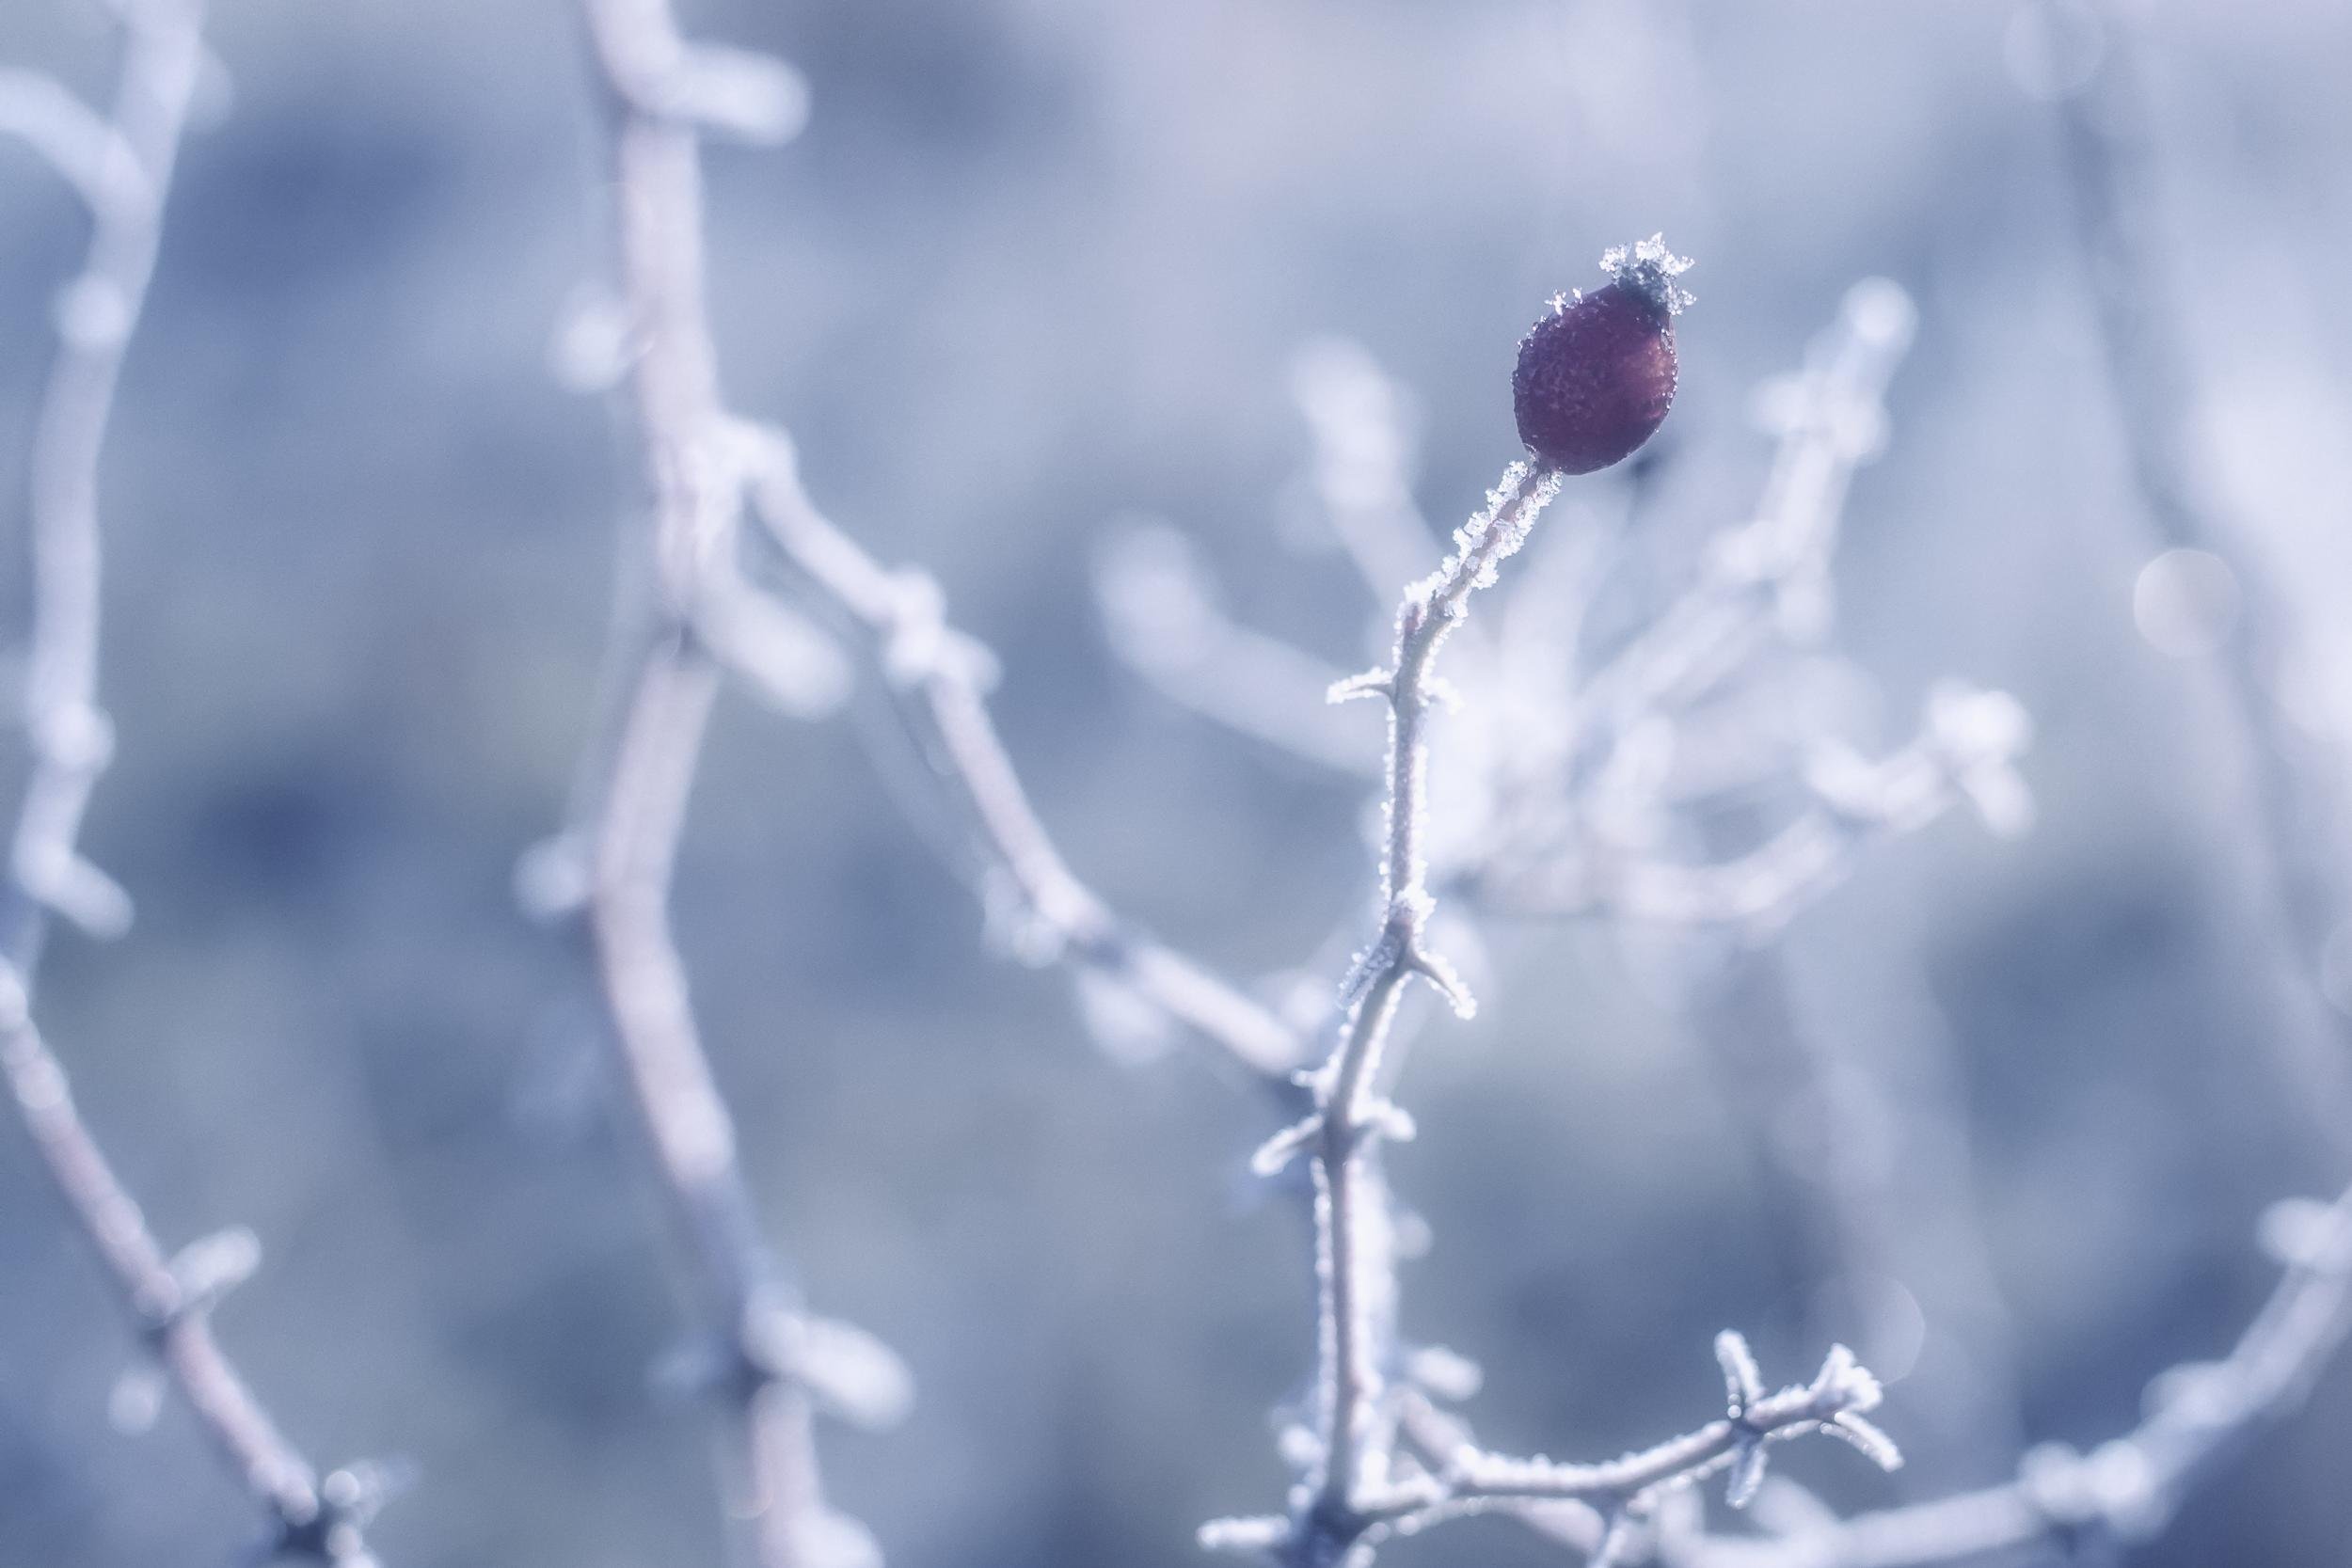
pixel 1835 1403
pixel 937 680
pixel 122 165
pixel 171 1300
pixel 2126 1489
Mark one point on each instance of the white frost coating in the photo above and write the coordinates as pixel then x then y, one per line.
pixel 700 616
pixel 121 164
pixel 1743 1382
pixel 85 150
pixel 1649 266
pixel 1128 1028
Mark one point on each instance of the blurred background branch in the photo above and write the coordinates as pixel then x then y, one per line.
pixel 771 1365
pixel 121 164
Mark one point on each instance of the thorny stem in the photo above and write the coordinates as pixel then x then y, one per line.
pixel 125 179
pixel 1349 1120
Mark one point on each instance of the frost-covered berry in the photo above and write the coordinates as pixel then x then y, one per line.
pixel 1596 375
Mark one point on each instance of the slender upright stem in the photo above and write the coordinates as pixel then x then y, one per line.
pixel 1349 1202
pixel 163 53
pixel 669 684
pixel 125 181
pixel 772 1472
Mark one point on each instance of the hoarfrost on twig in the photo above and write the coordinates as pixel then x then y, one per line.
pixel 769 1364
pixel 120 162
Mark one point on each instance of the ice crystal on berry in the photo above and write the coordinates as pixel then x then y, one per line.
pixel 1651 267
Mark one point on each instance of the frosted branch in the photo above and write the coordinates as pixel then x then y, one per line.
pixel 1835 1404
pixel 705 618
pixel 936 681
pixel 660 77
pixel 769 1365
pixel 1769 578
pixel 1355 1254
pixel 122 165
pixel 1381 1459
pixel 1601 1511
pixel 2128 1488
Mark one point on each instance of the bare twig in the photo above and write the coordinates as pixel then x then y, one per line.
pixel 936 676
pixel 2129 1488
pixel 711 619
pixel 171 1300
pixel 937 679
pixel 1349 1118
pixel 2126 1489
pixel 122 165
pixel 769 1364
pixel 1963 752
pixel 1574 830
pixel 1160 611
pixel 1835 1402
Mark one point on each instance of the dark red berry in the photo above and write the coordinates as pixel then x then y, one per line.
pixel 1596 377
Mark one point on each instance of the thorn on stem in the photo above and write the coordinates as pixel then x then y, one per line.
pixel 1434 968
pixel 1372 683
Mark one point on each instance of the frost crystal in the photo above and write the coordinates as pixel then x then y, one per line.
pixel 1649 266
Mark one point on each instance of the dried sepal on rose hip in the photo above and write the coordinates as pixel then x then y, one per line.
pixel 1595 377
